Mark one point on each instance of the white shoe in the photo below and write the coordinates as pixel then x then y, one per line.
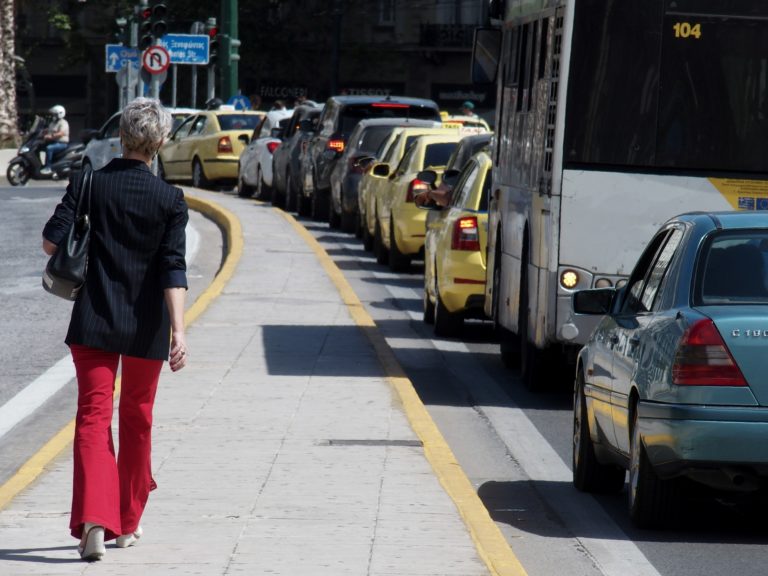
pixel 129 539
pixel 92 543
pixel 45 170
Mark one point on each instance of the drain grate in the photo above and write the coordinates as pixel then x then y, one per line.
pixel 410 443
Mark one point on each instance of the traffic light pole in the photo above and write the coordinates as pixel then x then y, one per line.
pixel 228 59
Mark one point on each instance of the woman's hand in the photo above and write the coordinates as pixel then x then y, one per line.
pixel 178 358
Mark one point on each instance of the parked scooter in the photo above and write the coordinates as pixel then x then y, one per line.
pixel 29 162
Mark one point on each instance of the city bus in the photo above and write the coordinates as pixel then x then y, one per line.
pixel 611 117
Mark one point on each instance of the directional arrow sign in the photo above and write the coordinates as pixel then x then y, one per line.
pixel 118 57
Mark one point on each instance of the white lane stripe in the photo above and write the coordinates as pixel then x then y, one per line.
pixel 608 546
pixel 35 394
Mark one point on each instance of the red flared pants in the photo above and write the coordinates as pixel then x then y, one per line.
pixel 107 491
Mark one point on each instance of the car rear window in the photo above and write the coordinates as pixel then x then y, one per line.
pixel 438 154
pixel 735 269
pixel 239 121
pixel 372 137
pixel 353 113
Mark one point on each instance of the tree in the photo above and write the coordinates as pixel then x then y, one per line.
pixel 9 132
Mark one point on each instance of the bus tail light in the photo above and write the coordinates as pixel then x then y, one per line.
pixel 465 234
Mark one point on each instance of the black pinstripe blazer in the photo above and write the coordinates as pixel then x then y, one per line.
pixel 136 250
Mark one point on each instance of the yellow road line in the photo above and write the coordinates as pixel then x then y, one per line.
pixel 489 541
pixel 233 237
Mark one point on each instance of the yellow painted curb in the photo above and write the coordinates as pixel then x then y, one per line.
pixel 233 249
pixel 489 541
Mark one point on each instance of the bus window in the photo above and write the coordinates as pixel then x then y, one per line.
pixel 522 65
pixel 543 47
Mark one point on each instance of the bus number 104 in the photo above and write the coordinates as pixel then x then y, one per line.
pixel 687 30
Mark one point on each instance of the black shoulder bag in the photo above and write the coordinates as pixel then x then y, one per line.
pixel 64 274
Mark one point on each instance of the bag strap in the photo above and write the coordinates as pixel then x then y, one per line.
pixel 85 191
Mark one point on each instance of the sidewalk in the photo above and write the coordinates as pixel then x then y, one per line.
pixel 283 448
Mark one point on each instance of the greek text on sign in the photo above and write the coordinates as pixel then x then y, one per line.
pixel 186 48
pixel 118 57
pixel 156 59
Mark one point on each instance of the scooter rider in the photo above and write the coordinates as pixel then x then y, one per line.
pixel 57 134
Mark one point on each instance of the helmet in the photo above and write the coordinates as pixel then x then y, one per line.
pixel 58 111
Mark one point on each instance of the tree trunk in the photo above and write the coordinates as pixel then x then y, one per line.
pixel 9 132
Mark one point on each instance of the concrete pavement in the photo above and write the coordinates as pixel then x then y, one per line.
pixel 292 444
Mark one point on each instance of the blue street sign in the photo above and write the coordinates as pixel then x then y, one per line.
pixel 240 102
pixel 119 56
pixel 186 48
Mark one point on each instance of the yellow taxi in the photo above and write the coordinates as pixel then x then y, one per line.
pixel 377 176
pixel 454 250
pixel 206 147
pixel 467 124
pixel 400 230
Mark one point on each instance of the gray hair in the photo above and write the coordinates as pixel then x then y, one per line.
pixel 144 124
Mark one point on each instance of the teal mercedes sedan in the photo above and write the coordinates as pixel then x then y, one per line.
pixel 673 382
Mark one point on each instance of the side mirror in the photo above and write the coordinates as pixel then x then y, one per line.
pixel 595 302
pixel 88 135
pixel 381 169
pixel 306 125
pixel 364 162
pixel 450 177
pixel 428 176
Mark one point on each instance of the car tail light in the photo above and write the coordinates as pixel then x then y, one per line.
pixel 225 145
pixel 272 146
pixel 336 144
pixel 416 187
pixel 465 234
pixel 703 359
pixel 389 105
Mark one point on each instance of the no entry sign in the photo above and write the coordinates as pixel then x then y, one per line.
pixel 156 59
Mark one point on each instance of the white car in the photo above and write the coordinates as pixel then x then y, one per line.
pixel 254 174
pixel 104 144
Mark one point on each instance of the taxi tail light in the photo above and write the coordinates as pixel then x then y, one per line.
pixel 416 187
pixel 225 145
pixel 465 234
pixel 336 144
pixel 703 359
pixel 272 146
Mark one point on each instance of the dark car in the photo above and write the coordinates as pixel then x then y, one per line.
pixel 339 118
pixel 468 147
pixel 358 155
pixel 286 167
pixel 671 384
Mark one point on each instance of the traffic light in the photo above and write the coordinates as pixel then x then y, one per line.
pixel 152 24
pixel 213 35
pixel 232 47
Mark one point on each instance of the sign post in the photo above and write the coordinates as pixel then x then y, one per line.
pixel 156 61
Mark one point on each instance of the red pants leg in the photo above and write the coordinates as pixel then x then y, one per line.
pixel 134 461
pixel 95 493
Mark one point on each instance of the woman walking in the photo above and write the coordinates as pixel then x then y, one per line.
pixel 130 311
